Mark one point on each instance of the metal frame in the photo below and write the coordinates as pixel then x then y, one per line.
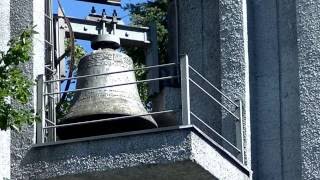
pixel 50 73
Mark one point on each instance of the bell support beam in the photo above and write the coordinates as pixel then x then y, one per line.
pixel 87 29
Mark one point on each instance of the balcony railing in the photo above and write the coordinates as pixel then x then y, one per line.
pixel 46 130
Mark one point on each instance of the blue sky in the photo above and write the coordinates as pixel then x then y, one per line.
pixel 81 9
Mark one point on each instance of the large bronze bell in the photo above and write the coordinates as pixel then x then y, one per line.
pixel 108 102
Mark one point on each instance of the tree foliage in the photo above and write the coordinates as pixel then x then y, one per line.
pixel 143 14
pixel 15 87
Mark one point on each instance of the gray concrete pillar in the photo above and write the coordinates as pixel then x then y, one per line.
pixel 308 36
pixel 274 84
pixel 284 54
pixel 213 34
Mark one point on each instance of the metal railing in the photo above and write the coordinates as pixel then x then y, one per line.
pixel 47 131
pixel 187 112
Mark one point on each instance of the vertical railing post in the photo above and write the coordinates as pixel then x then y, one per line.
pixel 185 90
pixel 40 108
pixel 51 103
pixel 239 132
pixel 43 115
pixel 55 120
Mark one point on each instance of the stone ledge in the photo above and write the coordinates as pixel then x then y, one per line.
pixel 165 153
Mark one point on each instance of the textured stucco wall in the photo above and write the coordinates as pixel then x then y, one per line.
pixel 234 66
pixel 213 34
pixel 308 30
pixel 4 135
pixel 205 155
pixel 274 89
pixel 23 13
pixel 20 17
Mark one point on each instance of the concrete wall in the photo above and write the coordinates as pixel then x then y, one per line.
pixel 22 14
pixel 213 34
pixel 4 135
pixel 308 36
pixel 284 59
pixel 274 89
pixel 200 41
pixel 234 65
pixel 167 153
pixel 20 17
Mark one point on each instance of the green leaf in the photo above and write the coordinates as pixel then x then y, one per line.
pixel 14 84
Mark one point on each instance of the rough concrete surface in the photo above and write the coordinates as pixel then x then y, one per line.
pixel 234 67
pixel 161 154
pixel 212 34
pixel 21 16
pixel 308 29
pixel 4 135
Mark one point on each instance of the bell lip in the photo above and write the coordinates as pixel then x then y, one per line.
pixel 89 117
pixel 104 127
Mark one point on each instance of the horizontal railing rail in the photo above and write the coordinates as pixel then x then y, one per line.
pixel 49 121
pixel 109 119
pixel 215 100
pixel 213 86
pixel 116 72
pixel 187 106
pixel 114 85
pixel 216 133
